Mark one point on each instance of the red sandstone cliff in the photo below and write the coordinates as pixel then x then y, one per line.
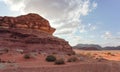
pixel 30 33
pixel 29 21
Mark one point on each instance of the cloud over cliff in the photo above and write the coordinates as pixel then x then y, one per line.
pixel 64 15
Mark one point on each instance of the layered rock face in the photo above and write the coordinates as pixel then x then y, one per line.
pixel 29 21
pixel 30 34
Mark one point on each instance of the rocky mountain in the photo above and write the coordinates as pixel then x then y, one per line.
pixel 111 48
pixel 95 47
pixel 30 33
pixel 87 47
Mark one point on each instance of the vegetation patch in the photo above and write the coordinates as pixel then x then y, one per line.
pixel 72 59
pixel 50 58
pixel 100 59
pixel 109 53
pixel 27 56
pixel 59 61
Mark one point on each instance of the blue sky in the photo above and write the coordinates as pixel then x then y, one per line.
pixel 77 21
pixel 106 16
pixel 5 10
pixel 107 12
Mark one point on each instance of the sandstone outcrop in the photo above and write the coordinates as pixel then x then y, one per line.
pixel 30 33
pixel 29 21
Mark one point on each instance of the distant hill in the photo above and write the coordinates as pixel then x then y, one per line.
pixel 94 47
pixel 111 48
pixel 87 47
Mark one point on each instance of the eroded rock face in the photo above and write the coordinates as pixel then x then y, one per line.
pixel 32 41
pixel 29 21
pixel 31 33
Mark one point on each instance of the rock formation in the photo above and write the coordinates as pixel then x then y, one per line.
pixel 29 21
pixel 30 33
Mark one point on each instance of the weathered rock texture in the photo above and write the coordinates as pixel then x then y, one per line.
pixel 23 33
pixel 29 21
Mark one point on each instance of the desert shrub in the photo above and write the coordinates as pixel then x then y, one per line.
pixel 3 61
pixel 27 56
pixel 6 50
pixel 100 59
pixel 59 61
pixel 74 53
pixel 112 54
pixel 109 53
pixel 50 58
pixel 20 51
pixel 9 61
pixel 89 55
pixel 70 54
pixel 72 59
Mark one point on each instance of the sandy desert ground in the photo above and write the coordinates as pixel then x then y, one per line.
pixel 88 61
pixel 107 54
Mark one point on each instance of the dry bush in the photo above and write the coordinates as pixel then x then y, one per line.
pixel 109 53
pixel 100 59
pixel 89 55
pixel 50 58
pixel 27 56
pixel 59 61
pixel 72 59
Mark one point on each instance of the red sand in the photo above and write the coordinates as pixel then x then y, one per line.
pixel 38 64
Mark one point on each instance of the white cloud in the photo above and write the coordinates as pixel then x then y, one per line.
pixel 107 35
pixel 91 27
pixel 83 28
pixel 110 39
pixel 85 7
pixel 1 0
pixel 64 15
pixel 94 4
pixel 118 33
pixel 74 40
pixel 15 5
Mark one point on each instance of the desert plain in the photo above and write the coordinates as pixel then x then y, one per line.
pixel 88 61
